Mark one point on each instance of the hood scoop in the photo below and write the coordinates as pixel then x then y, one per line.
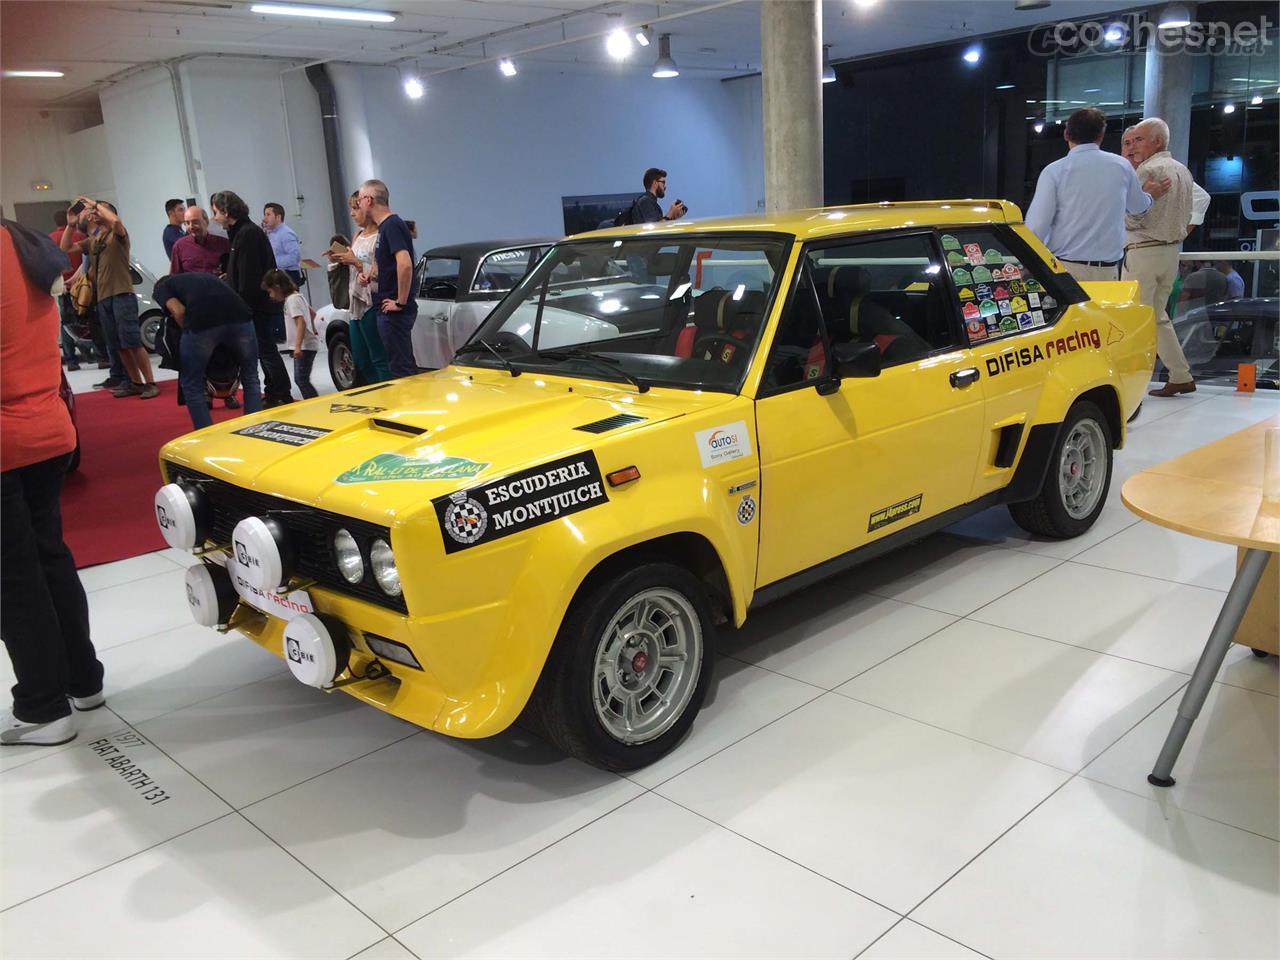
pixel 397 427
pixel 610 423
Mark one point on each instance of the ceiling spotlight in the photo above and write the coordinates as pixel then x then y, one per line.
pixel 1030 4
pixel 642 36
pixel 1257 99
pixel 973 56
pixel 1174 16
pixel 1004 86
pixel 618 44
pixel 1114 33
pixel 865 4
pixel 828 72
pixel 1039 127
pixel 664 67
pixel 322 13
pixel 34 73
pixel 1228 108
pixel 507 67
pixel 413 88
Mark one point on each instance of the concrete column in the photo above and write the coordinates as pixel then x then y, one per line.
pixel 791 67
pixel 1168 89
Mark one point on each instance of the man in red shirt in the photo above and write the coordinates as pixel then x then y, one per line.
pixel 44 615
pixel 66 312
pixel 199 251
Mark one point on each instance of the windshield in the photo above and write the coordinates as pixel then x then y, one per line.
pixel 683 311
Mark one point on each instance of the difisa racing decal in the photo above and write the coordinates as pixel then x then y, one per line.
pixel 519 501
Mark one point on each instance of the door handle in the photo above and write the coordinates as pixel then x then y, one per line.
pixel 964 378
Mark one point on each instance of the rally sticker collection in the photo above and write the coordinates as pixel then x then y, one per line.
pixel 519 501
pixel 996 298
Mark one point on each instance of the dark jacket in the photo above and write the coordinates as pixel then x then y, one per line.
pixel 249 260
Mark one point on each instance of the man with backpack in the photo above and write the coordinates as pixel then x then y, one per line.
pixel 645 208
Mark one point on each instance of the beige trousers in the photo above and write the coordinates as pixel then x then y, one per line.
pixel 1155 269
pixel 1087 274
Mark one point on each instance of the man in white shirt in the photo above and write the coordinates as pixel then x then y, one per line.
pixel 1080 201
pixel 1152 243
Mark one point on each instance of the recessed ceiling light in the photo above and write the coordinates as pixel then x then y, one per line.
pixel 618 44
pixel 507 67
pixel 34 73
pixel 1040 127
pixel 1094 90
pixel 865 4
pixel 1004 86
pixel 1228 108
pixel 413 88
pixel 322 13
pixel 973 55
pixel 1174 16
pixel 1256 100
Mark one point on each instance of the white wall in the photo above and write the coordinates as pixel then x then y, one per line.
pixel 486 157
pixel 140 115
pixel 54 146
pixel 238 116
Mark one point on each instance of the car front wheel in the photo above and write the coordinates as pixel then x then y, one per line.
pixel 630 668
pixel 1075 486
pixel 149 329
pixel 342 363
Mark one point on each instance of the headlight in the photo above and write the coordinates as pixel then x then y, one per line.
pixel 384 568
pixel 347 554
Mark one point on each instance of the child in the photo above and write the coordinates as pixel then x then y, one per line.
pixel 297 313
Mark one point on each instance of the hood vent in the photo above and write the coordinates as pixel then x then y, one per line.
pixel 610 423
pixel 397 426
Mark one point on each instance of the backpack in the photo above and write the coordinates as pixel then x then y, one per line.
pixel 627 216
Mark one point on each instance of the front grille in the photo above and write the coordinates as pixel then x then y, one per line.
pixel 311 531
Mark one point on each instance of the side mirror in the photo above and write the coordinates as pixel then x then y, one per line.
pixel 857 360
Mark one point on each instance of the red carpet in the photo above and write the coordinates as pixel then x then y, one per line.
pixel 107 511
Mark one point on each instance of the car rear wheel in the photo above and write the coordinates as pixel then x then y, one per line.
pixel 630 668
pixel 149 327
pixel 342 363
pixel 1079 475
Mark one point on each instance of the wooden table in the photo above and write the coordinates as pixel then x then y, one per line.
pixel 1215 493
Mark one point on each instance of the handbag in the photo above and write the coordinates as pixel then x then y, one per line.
pixel 81 293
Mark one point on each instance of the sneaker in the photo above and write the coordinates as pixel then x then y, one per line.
pixel 15 732
pixel 148 391
pixel 233 403
pixel 72 365
pixel 107 384
pixel 84 704
pixel 126 390
pixel 104 364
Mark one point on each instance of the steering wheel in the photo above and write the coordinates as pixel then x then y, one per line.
pixel 714 338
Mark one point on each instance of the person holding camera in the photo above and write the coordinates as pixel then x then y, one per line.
pixel 645 208
pixel 108 250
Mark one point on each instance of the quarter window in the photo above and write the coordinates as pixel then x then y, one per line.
pixel 501 271
pixel 997 294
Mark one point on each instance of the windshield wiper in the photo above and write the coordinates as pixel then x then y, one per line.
pixel 611 364
pixel 478 345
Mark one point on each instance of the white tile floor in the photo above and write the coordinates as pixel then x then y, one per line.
pixel 943 754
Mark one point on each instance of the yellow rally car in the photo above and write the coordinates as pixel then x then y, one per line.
pixel 660 429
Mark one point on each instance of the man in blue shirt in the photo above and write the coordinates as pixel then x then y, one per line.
pixel 284 242
pixel 1235 282
pixel 393 257
pixel 1081 200
pixel 174 209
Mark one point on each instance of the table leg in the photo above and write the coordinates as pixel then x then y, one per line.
pixel 1215 651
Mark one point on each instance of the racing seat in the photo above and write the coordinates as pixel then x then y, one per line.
pixel 854 317
pixel 717 313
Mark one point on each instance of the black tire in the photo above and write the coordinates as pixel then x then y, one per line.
pixel 563 707
pixel 149 327
pixel 1134 416
pixel 1260 653
pixel 1047 514
pixel 342 363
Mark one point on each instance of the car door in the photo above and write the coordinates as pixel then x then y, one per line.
pixel 846 462
pixel 437 293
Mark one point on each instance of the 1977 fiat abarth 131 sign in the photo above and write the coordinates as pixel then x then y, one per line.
pixel 660 428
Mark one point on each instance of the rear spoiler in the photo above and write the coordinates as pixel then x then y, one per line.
pixel 1112 292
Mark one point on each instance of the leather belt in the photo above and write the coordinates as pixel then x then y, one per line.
pixel 1093 263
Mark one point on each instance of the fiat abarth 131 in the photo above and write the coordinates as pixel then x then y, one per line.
pixel 660 429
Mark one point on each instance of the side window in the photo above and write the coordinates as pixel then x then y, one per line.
pixel 997 294
pixel 501 271
pixel 799 351
pixel 440 278
pixel 889 291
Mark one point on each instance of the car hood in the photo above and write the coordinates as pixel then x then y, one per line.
pixel 382 453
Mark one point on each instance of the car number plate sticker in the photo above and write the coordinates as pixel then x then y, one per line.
pixel 286 606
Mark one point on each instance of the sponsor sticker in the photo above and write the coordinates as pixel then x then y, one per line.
pixel 1048 302
pixel 983 291
pixel 354 408
pixel 949 242
pixel 1019 305
pixel 519 501
pixel 1011 271
pixel 393 466
pixel 961 275
pixel 971 311
pixel 1002 292
pixel 286 606
pixel 982 274
pixel 973 250
pixel 1026 321
pixel 277 431
pixel 723 444
pixel 1034 285
pixel 1039 352
pixel 892 514
pixel 1039 315
pixel 988 308
pixel 977 330
pixel 956 259
pixel 1005 309
pixel 965 293
pixel 1017 286
pixel 746 509
pixel 1033 299
pixel 1008 324
pixel 994 256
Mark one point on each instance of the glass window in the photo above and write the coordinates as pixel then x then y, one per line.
pixel 440 278
pixel 997 294
pixel 888 291
pixel 633 308
pixel 501 271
